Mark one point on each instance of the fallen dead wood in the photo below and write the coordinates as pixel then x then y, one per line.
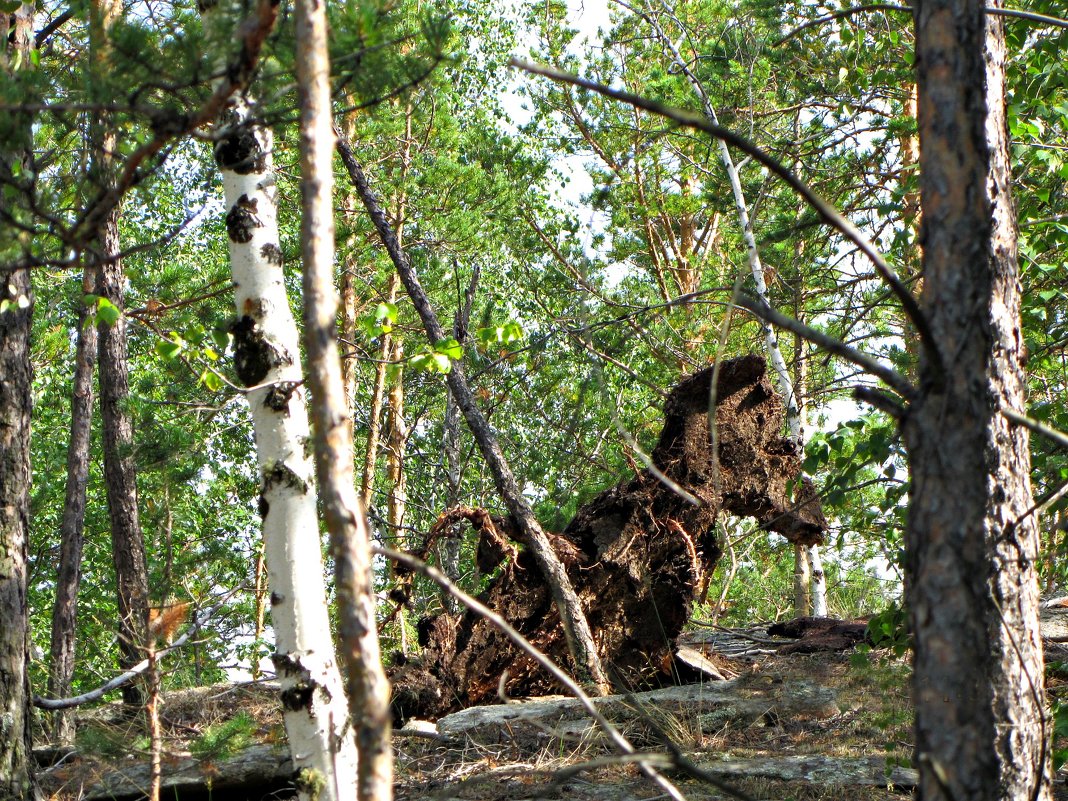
pixel 638 554
pixel 814 769
pixel 813 634
pixel 262 768
pixel 697 707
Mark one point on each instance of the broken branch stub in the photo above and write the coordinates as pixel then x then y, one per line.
pixel 637 554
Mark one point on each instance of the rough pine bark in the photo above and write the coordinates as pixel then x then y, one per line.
pixel 267 362
pixel 972 543
pixel 16 400
pixel 15 404
pixel 120 471
pixel 350 545
pixel 71 532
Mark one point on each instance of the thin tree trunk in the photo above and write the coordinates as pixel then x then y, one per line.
pixel 802 561
pixel 267 361
pixel 972 539
pixel 348 329
pixel 378 401
pixel 260 592
pixel 576 628
pixel 349 301
pixel 389 347
pixel 120 472
pixel 398 478
pixel 71 532
pixel 449 549
pixel 802 582
pixel 350 545
pixel 819 581
pixel 16 400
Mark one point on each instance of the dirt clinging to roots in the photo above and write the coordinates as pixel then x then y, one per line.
pixel 638 554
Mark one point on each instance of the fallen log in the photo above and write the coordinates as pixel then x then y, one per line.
pixel 638 554
pixel 701 707
pixel 814 634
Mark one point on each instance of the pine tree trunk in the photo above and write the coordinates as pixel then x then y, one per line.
pixel 397 444
pixel 378 402
pixel 15 403
pixel 68 581
pixel 267 361
pixel 972 541
pixel 350 544
pixel 16 400
pixel 120 472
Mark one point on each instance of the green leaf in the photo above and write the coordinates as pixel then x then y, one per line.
pixel 431 362
pixel 442 363
pixel 386 312
pixel 421 362
pixel 211 380
pixel 221 337
pixel 168 349
pixel 504 334
pixel 107 312
pixel 449 348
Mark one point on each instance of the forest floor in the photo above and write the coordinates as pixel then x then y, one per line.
pixel 807 727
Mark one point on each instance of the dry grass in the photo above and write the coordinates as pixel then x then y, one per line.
pixel 874 718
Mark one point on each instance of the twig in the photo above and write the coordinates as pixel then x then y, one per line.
pixel 888 375
pixel 251 35
pixel 1044 430
pixel 198 622
pixel 1030 16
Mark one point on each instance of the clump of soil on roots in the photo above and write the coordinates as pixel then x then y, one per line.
pixel 638 555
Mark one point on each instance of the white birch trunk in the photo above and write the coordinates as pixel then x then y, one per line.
pixel 818 594
pixel 267 360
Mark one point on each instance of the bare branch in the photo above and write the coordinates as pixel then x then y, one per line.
pixel 1052 434
pixel 1030 16
pixel 199 621
pixel 887 375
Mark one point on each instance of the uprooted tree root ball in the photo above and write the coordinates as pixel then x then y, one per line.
pixel 638 554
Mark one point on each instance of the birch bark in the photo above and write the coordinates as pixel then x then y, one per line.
pixel 267 361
